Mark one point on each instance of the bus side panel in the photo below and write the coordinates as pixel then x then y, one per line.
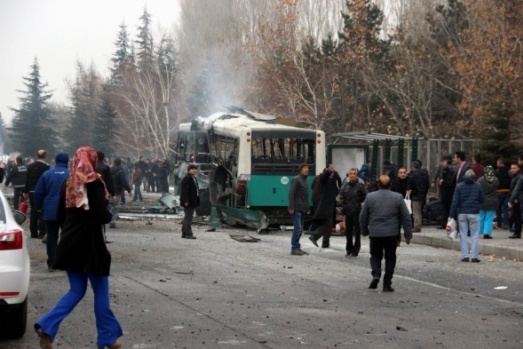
pixel 272 190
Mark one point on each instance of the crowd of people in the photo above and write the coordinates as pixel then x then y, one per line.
pixel 70 204
pixel 477 197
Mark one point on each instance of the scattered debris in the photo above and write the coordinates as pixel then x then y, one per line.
pixel 501 288
pixel 244 238
pixel 399 328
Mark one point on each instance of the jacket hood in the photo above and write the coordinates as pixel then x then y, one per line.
pixel 469 179
pixel 61 158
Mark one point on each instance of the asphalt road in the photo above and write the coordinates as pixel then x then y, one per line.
pixel 215 292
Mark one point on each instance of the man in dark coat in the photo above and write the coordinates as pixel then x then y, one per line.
pixel 299 207
pixel 353 194
pixel 502 213
pixel 189 199
pixel 516 195
pixel 323 214
pixel 462 165
pixel 419 185
pixel 18 176
pixel 105 171
pixel 120 185
pixel 34 172
pixel 447 184
pixel 382 212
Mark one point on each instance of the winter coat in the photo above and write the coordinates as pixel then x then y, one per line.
pixel 353 195
pixel 382 213
pixel 18 176
pixel 400 186
pixel 137 176
pixel 328 191
pixel 105 171
pixel 120 182
pixel 504 178
pixel 82 244
pixel 47 191
pixel 299 194
pixel 468 197
pixel 189 192
pixel 34 172
pixel 491 194
pixel 516 189
pixel 446 189
pixel 419 184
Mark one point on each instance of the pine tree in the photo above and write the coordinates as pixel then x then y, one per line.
pixel 85 96
pixel 4 141
pixel 105 131
pixel 32 124
pixel 144 55
pixel 122 60
pixel 497 133
pixel 166 56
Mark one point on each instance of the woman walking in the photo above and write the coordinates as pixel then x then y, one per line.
pixel 489 183
pixel 82 252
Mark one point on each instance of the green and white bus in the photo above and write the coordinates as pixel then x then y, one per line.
pixel 248 160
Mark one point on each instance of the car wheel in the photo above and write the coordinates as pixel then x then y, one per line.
pixel 13 326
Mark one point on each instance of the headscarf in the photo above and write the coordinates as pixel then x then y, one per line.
pixel 83 171
pixel 490 176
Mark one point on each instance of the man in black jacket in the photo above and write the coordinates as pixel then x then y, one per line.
pixel 353 194
pixel 120 185
pixel 34 172
pixel 105 171
pixel 419 184
pixel 189 199
pixel 502 213
pixel 299 207
pixel 17 176
pixel 324 212
pixel 447 184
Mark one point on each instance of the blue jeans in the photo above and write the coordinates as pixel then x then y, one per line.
pixel 297 221
pixel 107 326
pixel 502 214
pixel 469 222
pixel 53 228
pixel 137 193
pixel 486 218
pixel 114 207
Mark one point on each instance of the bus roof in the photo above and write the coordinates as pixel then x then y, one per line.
pixel 231 124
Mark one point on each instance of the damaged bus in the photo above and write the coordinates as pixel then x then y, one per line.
pixel 246 163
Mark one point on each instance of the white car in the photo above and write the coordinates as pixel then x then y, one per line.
pixel 15 269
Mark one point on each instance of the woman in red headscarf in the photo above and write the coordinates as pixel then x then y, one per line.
pixel 82 252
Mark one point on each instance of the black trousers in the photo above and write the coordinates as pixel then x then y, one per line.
pixel 187 221
pixel 379 247
pixel 323 228
pixel 515 218
pixel 36 223
pixel 352 232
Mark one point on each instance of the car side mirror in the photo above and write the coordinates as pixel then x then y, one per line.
pixel 19 217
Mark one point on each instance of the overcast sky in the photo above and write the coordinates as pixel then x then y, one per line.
pixel 60 32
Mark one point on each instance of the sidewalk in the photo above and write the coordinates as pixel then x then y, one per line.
pixel 499 246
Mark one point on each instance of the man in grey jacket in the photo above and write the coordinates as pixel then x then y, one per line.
pixel 380 216
pixel 299 207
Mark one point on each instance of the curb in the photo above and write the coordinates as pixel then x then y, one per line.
pixel 486 250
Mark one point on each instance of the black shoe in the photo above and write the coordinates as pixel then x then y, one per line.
pixel 313 240
pixel 302 251
pixel 487 237
pixel 354 255
pixel 374 284
pixel 466 260
pixel 297 252
pixel 514 236
pixel 325 246
pixel 388 289
pixel 108 242
pixel 190 237
pixel 475 260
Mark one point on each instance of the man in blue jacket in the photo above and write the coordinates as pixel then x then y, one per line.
pixel 47 198
pixel 466 204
